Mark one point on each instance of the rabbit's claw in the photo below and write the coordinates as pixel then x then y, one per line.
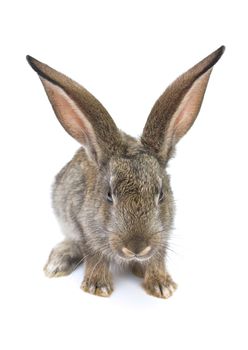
pixel 100 288
pixel 160 286
pixel 97 279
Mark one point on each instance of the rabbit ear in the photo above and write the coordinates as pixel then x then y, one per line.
pixel 176 110
pixel 80 113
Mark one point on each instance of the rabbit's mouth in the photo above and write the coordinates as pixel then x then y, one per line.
pixel 134 249
pixel 128 255
pixel 135 258
pixel 136 254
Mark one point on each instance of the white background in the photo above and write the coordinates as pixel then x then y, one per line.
pixel 125 53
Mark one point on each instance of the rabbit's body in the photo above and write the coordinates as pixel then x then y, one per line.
pixel 113 199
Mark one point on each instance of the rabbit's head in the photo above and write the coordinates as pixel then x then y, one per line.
pixel 128 203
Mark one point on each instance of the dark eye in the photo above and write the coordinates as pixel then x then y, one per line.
pixel 109 197
pixel 161 196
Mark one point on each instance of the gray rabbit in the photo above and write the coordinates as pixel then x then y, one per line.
pixel 113 199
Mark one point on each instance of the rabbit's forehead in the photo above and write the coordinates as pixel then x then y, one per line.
pixel 139 169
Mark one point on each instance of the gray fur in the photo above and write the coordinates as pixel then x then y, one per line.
pixel 113 199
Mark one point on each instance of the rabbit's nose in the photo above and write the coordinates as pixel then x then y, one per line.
pixel 130 254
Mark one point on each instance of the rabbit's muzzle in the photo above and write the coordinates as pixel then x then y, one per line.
pixel 133 249
pixel 136 248
pixel 136 254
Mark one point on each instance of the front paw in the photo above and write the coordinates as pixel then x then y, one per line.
pixel 161 286
pixel 97 287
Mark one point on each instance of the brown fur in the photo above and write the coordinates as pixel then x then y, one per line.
pixel 114 199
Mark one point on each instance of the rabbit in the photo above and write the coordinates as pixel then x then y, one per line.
pixel 113 199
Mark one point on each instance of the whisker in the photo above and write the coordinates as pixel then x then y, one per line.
pixel 80 261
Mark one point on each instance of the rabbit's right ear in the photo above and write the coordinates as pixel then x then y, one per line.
pixel 79 112
pixel 176 110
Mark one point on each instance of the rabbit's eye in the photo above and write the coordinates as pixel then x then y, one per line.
pixel 161 196
pixel 109 197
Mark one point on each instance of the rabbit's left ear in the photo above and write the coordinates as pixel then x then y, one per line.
pixel 176 110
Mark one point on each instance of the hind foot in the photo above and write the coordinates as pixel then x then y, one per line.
pixel 63 259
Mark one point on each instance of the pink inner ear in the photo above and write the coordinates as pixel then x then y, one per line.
pixel 66 110
pixel 183 122
pixel 71 117
pixel 188 108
